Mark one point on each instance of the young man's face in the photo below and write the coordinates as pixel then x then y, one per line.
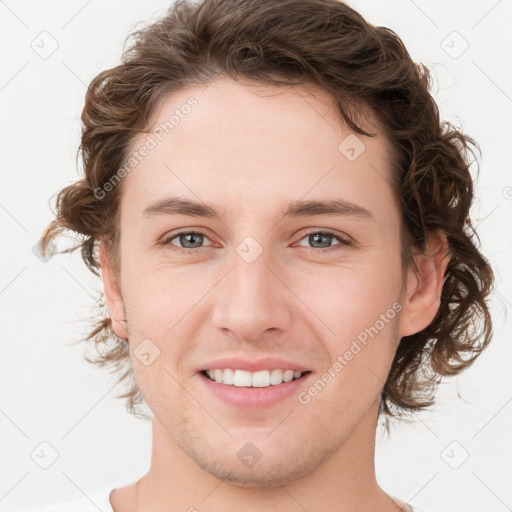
pixel 254 283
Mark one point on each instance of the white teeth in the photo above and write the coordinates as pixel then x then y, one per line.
pixel 288 375
pixel 276 377
pixel 241 378
pixel 228 376
pixel 260 379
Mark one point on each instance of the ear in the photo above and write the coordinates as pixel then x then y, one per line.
pixel 422 296
pixel 113 297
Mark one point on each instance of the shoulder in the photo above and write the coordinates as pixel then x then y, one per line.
pixel 406 506
pixel 97 500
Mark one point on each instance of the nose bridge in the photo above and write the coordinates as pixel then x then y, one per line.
pixel 251 279
pixel 250 300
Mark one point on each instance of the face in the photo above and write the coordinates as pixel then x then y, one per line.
pixel 289 260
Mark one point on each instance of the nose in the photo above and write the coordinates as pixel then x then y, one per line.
pixel 252 301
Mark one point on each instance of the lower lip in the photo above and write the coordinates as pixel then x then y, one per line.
pixel 246 397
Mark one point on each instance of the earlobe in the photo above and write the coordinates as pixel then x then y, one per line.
pixel 422 296
pixel 113 297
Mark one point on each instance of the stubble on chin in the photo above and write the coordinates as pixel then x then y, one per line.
pixel 277 466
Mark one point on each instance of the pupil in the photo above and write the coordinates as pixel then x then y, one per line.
pixel 191 236
pixel 316 236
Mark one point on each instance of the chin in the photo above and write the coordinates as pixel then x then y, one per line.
pixel 274 470
pixel 256 478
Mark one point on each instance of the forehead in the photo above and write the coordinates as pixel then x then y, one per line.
pixel 249 144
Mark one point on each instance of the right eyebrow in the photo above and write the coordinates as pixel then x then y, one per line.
pixel 179 206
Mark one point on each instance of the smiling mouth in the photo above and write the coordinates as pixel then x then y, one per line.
pixel 260 379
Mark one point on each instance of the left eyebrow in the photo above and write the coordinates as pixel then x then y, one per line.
pixel 326 207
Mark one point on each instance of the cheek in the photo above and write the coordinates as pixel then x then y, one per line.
pixel 160 305
pixel 157 386
pixel 356 314
pixel 348 299
pixel 158 296
pixel 360 359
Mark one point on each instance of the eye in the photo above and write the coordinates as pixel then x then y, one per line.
pixel 321 241
pixel 193 241
pixel 188 240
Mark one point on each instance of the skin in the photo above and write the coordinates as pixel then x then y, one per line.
pixel 250 151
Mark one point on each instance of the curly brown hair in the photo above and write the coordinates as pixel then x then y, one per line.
pixel 285 43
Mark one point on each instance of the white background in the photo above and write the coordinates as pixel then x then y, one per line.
pixel 49 393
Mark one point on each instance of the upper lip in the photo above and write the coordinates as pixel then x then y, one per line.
pixel 253 365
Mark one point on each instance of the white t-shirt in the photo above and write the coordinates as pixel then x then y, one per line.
pixel 99 500
pixel 93 502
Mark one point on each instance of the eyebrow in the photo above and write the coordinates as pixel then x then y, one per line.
pixel 300 208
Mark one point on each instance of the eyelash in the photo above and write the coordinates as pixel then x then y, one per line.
pixel 343 242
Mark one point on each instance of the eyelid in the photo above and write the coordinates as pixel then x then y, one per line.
pixel 343 239
pixel 187 231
